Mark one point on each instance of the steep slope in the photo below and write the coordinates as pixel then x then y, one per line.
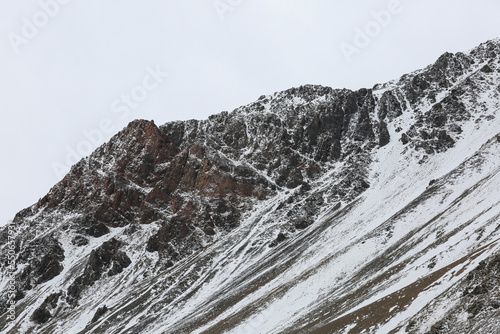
pixel 312 210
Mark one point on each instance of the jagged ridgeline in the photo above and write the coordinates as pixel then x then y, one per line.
pixel 312 210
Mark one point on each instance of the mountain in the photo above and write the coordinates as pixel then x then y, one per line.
pixel 312 210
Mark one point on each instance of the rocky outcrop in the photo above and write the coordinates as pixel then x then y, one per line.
pixel 42 313
pixel 194 179
pixel 40 259
pixel 99 313
pixel 106 259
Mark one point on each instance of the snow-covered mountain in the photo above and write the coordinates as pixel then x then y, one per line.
pixel 312 210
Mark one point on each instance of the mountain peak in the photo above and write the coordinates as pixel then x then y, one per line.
pixel 313 209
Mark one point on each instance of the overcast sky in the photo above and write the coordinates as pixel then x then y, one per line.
pixel 72 69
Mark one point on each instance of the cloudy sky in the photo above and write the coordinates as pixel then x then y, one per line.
pixel 74 72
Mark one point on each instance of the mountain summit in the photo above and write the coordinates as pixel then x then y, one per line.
pixel 312 210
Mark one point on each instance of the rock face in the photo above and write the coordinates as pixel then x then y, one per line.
pixel 206 226
pixel 42 313
pixel 99 313
pixel 40 260
pixel 107 258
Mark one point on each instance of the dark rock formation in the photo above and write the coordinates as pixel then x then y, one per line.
pixel 42 313
pixel 40 259
pixel 80 240
pixel 99 313
pixel 105 259
pixel 279 239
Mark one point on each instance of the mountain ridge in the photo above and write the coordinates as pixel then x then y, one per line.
pixel 240 200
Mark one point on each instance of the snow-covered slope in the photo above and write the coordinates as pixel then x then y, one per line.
pixel 312 210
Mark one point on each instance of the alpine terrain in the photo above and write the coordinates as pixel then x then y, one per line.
pixel 312 210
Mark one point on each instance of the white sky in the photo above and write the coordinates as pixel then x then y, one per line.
pixel 64 78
